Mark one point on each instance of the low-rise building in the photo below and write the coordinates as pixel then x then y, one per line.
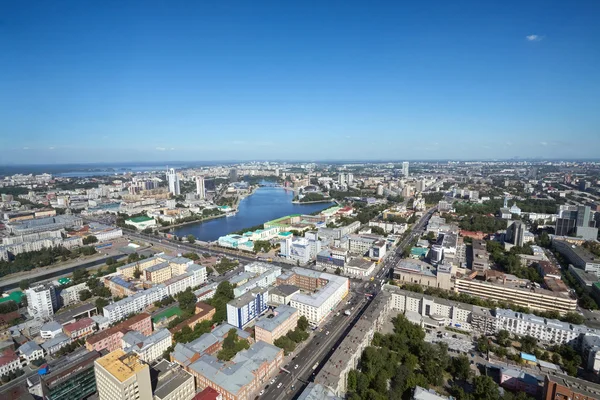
pixel 422 273
pixel 148 348
pixel 30 351
pixel 72 378
pixel 282 294
pixel 80 329
pixel 578 256
pixel 359 267
pixel 50 329
pixel 9 362
pixel 110 339
pixel 170 382
pixel 141 223
pixel 567 387
pixel 284 319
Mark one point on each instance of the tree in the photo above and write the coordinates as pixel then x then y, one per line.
pixel 225 289
pixel 528 344
pixel 484 388
pixel 90 239
pixel 460 367
pixel 84 295
pixel 191 239
pixel 338 271
pixel 192 256
pixel 110 261
pixel 133 257
pixel 302 323
pixel 187 300
pixel 92 283
pixel 101 303
pixel 24 284
pixel 79 275
pixel 286 344
pixel 502 337
pixel 137 272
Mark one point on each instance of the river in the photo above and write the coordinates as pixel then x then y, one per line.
pixel 265 204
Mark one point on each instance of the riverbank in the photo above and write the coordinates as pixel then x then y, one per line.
pixel 163 228
pixel 313 202
pixel 265 204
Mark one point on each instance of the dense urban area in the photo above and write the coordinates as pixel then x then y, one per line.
pixel 397 280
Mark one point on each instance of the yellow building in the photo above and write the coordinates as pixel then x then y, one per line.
pixel 121 376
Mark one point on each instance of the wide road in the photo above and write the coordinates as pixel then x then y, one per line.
pixel 323 343
pixel 326 340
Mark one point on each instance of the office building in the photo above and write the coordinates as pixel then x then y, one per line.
pixel 428 311
pixel 507 289
pixel 200 190
pixel 244 309
pixel 515 233
pixel 173 181
pixel 41 301
pixel 422 273
pixel 240 378
pixel 72 378
pixel 260 274
pixel 321 292
pixel 578 256
pixel 233 175
pixel 405 169
pixel 170 382
pixel 576 220
pixel 122 376
pixel 270 329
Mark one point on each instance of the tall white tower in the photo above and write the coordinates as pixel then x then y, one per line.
pixel 405 169
pixel 173 180
pixel 200 191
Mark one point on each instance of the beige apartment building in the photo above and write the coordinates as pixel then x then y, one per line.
pixel 121 376
pixel 270 329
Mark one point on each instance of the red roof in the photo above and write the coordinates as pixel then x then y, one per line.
pixel 8 356
pixel 207 394
pixel 123 326
pixel 78 325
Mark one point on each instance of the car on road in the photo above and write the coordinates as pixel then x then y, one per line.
pixel 262 392
pixel 279 385
pixel 296 366
pixel 327 333
pixel 272 381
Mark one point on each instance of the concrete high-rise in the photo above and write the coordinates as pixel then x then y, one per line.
pixel 233 176
pixel 577 220
pixel 200 191
pixel 173 181
pixel 122 376
pixel 41 301
pixel 405 169
pixel 515 233
pixel 342 179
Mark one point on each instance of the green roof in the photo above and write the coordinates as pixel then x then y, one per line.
pixel 285 233
pixel 64 281
pixel 168 313
pixel 13 296
pixel 143 218
pixel 419 251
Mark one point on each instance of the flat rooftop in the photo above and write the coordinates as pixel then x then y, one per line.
pixel 121 365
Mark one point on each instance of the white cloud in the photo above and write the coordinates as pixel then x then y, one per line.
pixel 172 148
pixel 544 143
pixel 25 148
pixel 51 148
pixel 534 38
pixel 238 142
pixel 509 143
pixel 161 148
pixel 486 147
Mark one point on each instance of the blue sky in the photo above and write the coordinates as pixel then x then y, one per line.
pixel 103 81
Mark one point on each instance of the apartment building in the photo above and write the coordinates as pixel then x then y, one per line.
pixel 70 295
pixel 270 329
pixel 135 303
pixel 260 275
pixel 122 376
pixel 110 338
pixel 244 309
pixel 41 301
pixel 543 329
pixel 9 362
pixel 481 258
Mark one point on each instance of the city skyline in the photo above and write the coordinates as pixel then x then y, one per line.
pixel 338 82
